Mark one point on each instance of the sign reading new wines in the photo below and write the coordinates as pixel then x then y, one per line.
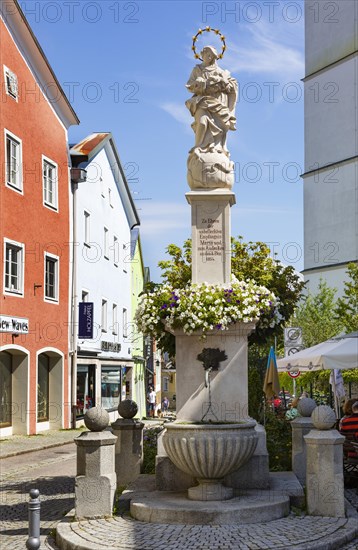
pixel 85 320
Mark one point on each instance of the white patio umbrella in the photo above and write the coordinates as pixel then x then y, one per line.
pixel 340 352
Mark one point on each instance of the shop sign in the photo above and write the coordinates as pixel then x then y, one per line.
pixel 110 346
pixel 17 325
pixel 85 320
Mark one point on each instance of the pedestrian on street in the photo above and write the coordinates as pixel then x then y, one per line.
pixel 152 400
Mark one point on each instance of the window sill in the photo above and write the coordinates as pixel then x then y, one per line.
pixel 18 293
pixel 51 300
pixel 51 207
pixel 14 187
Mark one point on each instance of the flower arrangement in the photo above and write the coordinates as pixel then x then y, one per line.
pixel 205 307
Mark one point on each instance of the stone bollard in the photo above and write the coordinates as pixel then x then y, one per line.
pixel 129 445
pixel 95 485
pixel 301 426
pixel 34 542
pixel 324 478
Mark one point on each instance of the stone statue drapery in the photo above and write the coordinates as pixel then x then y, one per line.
pixel 213 109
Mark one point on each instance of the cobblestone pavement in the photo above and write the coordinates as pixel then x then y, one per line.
pixel 52 472
pixel 300 533
pixel 53 475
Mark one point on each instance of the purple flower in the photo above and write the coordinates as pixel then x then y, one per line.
pixel 164 306
pixel 218 326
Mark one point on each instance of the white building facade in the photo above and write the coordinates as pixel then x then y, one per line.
pixel 104 216
pixel 331 142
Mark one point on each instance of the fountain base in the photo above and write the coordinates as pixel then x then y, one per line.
pixel 173 508
pixel 210 489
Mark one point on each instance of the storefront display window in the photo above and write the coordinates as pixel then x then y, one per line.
pixel 112 379
pixel 85 388
pixel 5 389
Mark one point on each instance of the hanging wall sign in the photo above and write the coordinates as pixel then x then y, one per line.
pixel 85 320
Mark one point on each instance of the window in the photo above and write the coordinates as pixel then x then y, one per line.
pixel 49 170
pixel 6 389
pixel 87 227
pixel 114 319
pixel 105 243
pixel 125 321
pixel 14 253
pixel 104 316
pixel 115 251
pixel 43 387
pixel 13 161
pixel 165 383
pixel 85 389
pixel 51 278
pixel 85 296
pixel 111 386
pixel 110 197
pixel 11 85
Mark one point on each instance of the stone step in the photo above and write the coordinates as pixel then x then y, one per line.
pixel 173 508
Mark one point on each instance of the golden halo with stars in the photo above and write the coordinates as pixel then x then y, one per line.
pixel 208 29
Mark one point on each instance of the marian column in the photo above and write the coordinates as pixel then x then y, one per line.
pixel 210 170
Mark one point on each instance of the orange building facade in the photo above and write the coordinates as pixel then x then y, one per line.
pixel 35 234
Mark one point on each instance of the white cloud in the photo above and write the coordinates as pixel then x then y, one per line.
pixel 163 217
pixel 267 53
pixel 178 111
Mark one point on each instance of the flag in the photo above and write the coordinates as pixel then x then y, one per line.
pixel 271 384
pixel 336 381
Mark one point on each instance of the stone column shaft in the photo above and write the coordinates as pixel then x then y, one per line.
pixel 211 235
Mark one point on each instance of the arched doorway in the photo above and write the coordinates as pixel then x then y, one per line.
pixel 49 393
pixel 14 383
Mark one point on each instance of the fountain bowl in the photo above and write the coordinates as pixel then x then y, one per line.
pixel 209 452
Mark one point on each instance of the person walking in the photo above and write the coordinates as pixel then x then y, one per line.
pixel 152 401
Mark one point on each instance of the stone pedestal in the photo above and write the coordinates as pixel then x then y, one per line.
pixel 95 484
pixel 128 449
pixel 229 393
pixel 211 246
pixel 324 478
pixel 301 426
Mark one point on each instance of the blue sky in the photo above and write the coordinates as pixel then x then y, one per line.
pixel 124 66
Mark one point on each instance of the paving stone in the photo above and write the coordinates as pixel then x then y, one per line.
pixel 124 533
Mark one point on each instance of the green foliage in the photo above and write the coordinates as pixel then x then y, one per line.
pixel 321 317
pixel 253 260
pixel 177 270
pixel 347 306
pixel 316 316
pixel 279 441
pixel 150 449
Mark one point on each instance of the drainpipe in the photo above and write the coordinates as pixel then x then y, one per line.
pixel 78 175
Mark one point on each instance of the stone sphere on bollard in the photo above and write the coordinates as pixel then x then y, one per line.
pixel 127 408
pixel 96 419
pixel 306 406
pixel 323 417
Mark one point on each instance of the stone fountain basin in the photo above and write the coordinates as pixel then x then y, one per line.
pixel 210 451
